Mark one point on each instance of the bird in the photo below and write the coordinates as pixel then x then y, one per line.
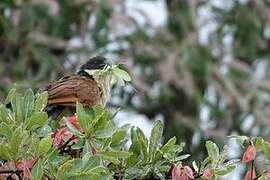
pixel 86 86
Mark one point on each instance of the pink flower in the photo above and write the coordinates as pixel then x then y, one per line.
pixel 25 166
pixel 73 120
pixel 208 174
pixel 182 173
pixel 250 154
pixel 60 136
pixel 250 174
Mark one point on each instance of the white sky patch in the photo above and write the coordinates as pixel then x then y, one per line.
pixel 135 119
pixel 206 24
pixel 248 123
pixel 260 70
pixel 154 10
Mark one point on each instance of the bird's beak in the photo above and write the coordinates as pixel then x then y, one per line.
pixel 90 72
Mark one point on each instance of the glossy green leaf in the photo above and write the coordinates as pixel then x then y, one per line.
pixel 4 152
pixel 17 104
pixel 259 144
pixel 5 130
pixel 10 96
pixel 15 143
pixel 122 74
pixel 213 151
pixel 116 154
pixel 41 102
pixel 143 145
pixel 266 150
pixel 37 170
pixel 156 135
pixel 83 118
pixel 118 136
pixel 182 157
pixel 106 144
pixel 28 103
pixel 111 159
pixel 4 114
pixel 225 170
pixel 37 120
pixel 44 145
pixel 166 148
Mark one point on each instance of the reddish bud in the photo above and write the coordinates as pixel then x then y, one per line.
pixel 250 174
pixel 73 120
pixel 250 154
pixel 94 150
pixel 184 173
pixel 208 174
pixel 25 166
pixel 60 136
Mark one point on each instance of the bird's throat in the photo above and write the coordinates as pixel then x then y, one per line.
pixel 104 84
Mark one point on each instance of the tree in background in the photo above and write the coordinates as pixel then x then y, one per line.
pixel 202 89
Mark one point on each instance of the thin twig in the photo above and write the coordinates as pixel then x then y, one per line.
pixel 10 171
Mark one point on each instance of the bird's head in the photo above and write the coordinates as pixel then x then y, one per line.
pixel 99 67
pixel 93 68
pixel 104 73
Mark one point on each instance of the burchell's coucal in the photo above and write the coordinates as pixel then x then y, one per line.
pixel 87 86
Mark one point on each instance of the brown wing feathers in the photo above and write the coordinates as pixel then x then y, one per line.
pixel 69 90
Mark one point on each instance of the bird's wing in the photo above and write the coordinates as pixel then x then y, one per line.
pixel 69 90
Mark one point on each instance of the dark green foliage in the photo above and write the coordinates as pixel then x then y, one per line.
pixel 176 76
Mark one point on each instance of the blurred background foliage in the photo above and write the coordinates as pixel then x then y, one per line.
pixel 204 71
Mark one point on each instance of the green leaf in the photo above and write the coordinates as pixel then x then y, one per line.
pixel 84 119
pixel 89 161
pixel 166 148
pixel 259 144
pixel 266 150
pixel 37 120
pixel 41 102
pixel 37 171
pixel 213 151
pixel 101 115
pixel 86 147
pixel 44 145
pixel 28 103
pixel 135 147
pixel 4 152
pixel 4 115
pixel 111 159
pixel 182 157
pixel 65 167
pixel 205 162
pixel 118 136
pixel 15 143
pixel 6 130
pixel 122 74
pixel 143 145
pixel 116 154
pixel 225 170
pixel 106 144
pixel 156 135
pixel 18 107
pixel 10 96
pixel 98 170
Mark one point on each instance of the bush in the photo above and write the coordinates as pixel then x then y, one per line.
pixel 89 145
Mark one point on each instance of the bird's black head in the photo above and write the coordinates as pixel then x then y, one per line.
pixel 97 62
